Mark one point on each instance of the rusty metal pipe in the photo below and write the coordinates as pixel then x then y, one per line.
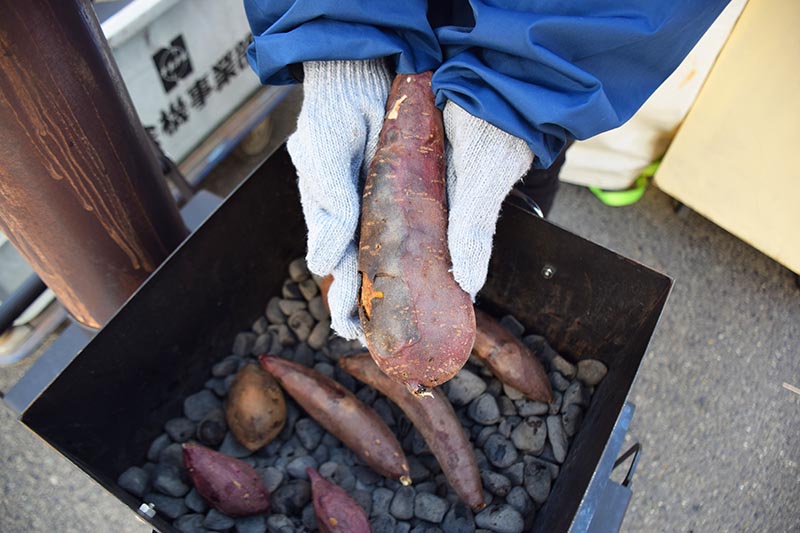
pixel 81 192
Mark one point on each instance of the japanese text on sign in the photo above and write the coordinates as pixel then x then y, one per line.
pixel 201 88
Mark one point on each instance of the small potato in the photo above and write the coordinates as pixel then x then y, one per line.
pixel 336 511
pixel 229 485
pixel 256 408
pixel 509 360
pixel 324 287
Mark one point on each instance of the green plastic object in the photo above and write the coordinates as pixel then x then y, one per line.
pixel 628 196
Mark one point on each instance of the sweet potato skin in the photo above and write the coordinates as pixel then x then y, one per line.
pixel 418 322
pixel 437 422
pixel 229 485
pixel 509 360
pixel 336 511
pixel 343 415
pixel 256 408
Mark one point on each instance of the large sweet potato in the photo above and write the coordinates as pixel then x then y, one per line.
pixel 343 415
pixel 418 322
pixel 436 421
pixel 509 360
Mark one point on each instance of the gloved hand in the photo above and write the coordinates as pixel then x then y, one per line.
pixel 336 137
pixel 483 163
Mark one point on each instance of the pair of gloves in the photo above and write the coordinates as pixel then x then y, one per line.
pixel 336 137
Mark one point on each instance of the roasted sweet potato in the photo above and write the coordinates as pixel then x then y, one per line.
pixel 336 511
pixel 417 321
pixel 229 485
pixel 343 415
pixel 256 409
pixel 509 360
pixel 436 421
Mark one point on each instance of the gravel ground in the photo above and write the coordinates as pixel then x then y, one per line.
pixel 719 433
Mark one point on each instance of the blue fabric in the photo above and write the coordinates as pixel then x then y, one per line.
pixel 292 31
pixel 543 70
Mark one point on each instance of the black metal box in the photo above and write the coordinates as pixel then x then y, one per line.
pixel 108 404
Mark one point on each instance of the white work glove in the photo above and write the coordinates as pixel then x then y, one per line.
pixel 336 137
pixel 483 163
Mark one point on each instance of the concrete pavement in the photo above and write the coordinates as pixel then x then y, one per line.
pixel 720 435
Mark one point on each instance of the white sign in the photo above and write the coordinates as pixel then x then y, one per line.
pixel 184 65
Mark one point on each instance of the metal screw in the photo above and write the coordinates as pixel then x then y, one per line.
pixel 148 509
pixel 548 271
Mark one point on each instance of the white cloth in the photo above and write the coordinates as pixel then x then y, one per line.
pixel 483 163
pixel 336 137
